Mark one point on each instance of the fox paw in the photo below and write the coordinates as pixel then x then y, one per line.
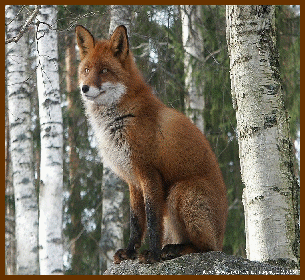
pixel 149 257
pixel 124 254
pixel 171 251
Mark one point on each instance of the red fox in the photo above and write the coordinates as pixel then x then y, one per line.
pixel 177 193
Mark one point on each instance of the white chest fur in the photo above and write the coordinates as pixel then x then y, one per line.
pixel 110 130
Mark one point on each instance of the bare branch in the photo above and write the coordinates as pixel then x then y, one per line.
pixel 212 55
pixel 15 16
pixel 24 27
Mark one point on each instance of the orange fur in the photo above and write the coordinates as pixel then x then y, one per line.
pixel 177 193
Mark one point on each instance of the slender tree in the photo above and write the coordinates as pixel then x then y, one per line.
pixel 19 103
pixel 51 123
pixel 193 58
pixel 10 243
pixel 113 187
pixel 271 194
pixel 74 160
pixel 120 15
pixel 10 237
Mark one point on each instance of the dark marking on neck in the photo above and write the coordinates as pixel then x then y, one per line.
pixel 124 117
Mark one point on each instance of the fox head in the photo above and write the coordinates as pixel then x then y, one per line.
pixel 104 71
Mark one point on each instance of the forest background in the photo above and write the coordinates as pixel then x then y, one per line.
pixel 156 41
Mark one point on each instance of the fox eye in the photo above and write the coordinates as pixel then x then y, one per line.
pixel 105 70
pixel 87 70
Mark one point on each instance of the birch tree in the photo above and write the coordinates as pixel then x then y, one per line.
pixel 51 167
pixel 10 238
pixel 120 15
pixel 113 187
pixel 193 47
pixel 271 194
pixel 19 106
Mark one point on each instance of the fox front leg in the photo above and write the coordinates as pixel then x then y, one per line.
pixel 137 227
pixel 154 207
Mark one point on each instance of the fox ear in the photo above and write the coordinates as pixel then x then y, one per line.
pixel 119 42
pixel 85 40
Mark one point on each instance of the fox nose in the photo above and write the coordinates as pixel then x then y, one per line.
pixel 85 88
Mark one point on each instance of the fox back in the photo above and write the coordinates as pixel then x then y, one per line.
pixel 177 193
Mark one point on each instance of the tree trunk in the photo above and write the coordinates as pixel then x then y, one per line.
pixel 193 57
pixel 120 15
pixel 19 103
pixel 271 194
pixel 74 161
pixel 113 187
pixel 112 219
pixel 51 123
pixel 10 237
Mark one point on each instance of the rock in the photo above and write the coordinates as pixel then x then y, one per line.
pixel 217 263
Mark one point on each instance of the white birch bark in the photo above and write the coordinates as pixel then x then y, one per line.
pixel 19 103
pixel 51 167
pixel 193 47
pixel 113 187
pixel 120 15
pixel 112 219
pixel 10 237
pixel 270 197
